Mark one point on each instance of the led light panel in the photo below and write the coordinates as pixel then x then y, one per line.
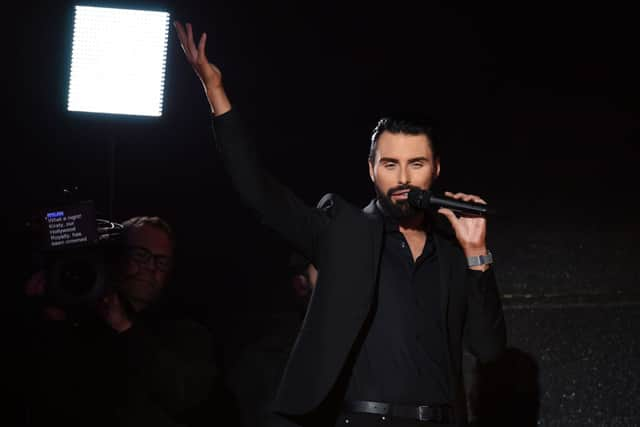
pixel 118 61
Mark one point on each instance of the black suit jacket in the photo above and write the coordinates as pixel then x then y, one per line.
pixel 344 243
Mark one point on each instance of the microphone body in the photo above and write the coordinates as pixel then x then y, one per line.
pixel 425 199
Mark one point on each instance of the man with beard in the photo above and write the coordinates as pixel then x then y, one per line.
pixel 397 289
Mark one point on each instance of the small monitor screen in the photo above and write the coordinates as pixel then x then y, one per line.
pixel 70 226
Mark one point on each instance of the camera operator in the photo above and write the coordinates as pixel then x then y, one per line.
pixel 133 363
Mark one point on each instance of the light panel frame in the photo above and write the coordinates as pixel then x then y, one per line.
pixel 118 61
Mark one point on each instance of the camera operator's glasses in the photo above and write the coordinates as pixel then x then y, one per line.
pixel 142 256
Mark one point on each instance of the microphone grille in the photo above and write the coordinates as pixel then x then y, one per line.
pixel 419 198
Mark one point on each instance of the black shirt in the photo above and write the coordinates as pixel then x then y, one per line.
pixel 403 358
pixel 159 372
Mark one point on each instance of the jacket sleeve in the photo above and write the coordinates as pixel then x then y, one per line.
pixel 274 204
pixel 485 331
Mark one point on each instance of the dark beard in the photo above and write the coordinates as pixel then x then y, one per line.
pixel 400 209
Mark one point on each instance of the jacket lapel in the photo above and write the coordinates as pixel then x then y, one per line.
pixel 375 230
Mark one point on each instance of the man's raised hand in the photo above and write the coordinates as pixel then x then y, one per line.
pixel 209 74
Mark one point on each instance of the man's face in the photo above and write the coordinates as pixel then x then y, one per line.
pixel 402 162
pixel 304 284
pixel 147 264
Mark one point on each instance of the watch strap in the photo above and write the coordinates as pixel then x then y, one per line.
pixel 473 261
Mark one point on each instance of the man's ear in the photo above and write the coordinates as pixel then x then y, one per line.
pixel 371 171
pixel 436 173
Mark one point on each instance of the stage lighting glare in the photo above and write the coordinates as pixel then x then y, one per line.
pixel 118 61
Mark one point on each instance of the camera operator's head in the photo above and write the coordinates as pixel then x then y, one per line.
pixel 147 260
pixel 304 276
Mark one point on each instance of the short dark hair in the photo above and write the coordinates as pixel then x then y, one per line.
pixel 410 124
pixel 153 221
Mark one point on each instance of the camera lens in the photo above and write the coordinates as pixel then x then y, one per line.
pixel 78 277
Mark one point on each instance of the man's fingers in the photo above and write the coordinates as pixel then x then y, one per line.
pixel 195 53
pixel 191 44
pixel 35 286
pixel 184 43
pixel 182 36
pixel 456 196
pixel 471 198
pixel 465 197
pixel 111 298
pixel 189 31
pixel 180 30
pixel 201 46
pixel 449 214
pixel 479 200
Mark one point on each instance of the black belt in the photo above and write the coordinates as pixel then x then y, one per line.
pixel 441 414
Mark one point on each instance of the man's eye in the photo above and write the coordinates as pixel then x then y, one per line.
pixel 163 262
pixel 417 165
pixel 140 257
pixel 389 165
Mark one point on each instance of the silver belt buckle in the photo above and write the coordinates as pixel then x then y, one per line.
pixel 428 413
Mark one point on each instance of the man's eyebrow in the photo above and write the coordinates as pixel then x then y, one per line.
pixel 393 160
pixel 388 159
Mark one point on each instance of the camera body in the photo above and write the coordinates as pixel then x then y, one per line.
pixel 79 253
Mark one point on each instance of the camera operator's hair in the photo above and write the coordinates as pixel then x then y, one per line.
pixel 153 221
pixel 410 124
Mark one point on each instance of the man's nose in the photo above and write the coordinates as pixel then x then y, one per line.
pixel 404 176
pixel 151 265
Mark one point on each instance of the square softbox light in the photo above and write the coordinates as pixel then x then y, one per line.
pixel 118 61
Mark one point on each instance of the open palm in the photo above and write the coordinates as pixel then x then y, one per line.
pixel 209 74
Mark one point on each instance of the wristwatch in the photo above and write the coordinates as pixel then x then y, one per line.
pixel 474 261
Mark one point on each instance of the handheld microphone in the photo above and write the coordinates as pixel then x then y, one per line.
pixel 425 199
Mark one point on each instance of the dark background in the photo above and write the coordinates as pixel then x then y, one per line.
pixel 537 106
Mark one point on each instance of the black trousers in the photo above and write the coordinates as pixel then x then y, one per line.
pixel 371 420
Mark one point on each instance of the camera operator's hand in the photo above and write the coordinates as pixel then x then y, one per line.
pixel 112 310
pixel 35 287
pixel 109 308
